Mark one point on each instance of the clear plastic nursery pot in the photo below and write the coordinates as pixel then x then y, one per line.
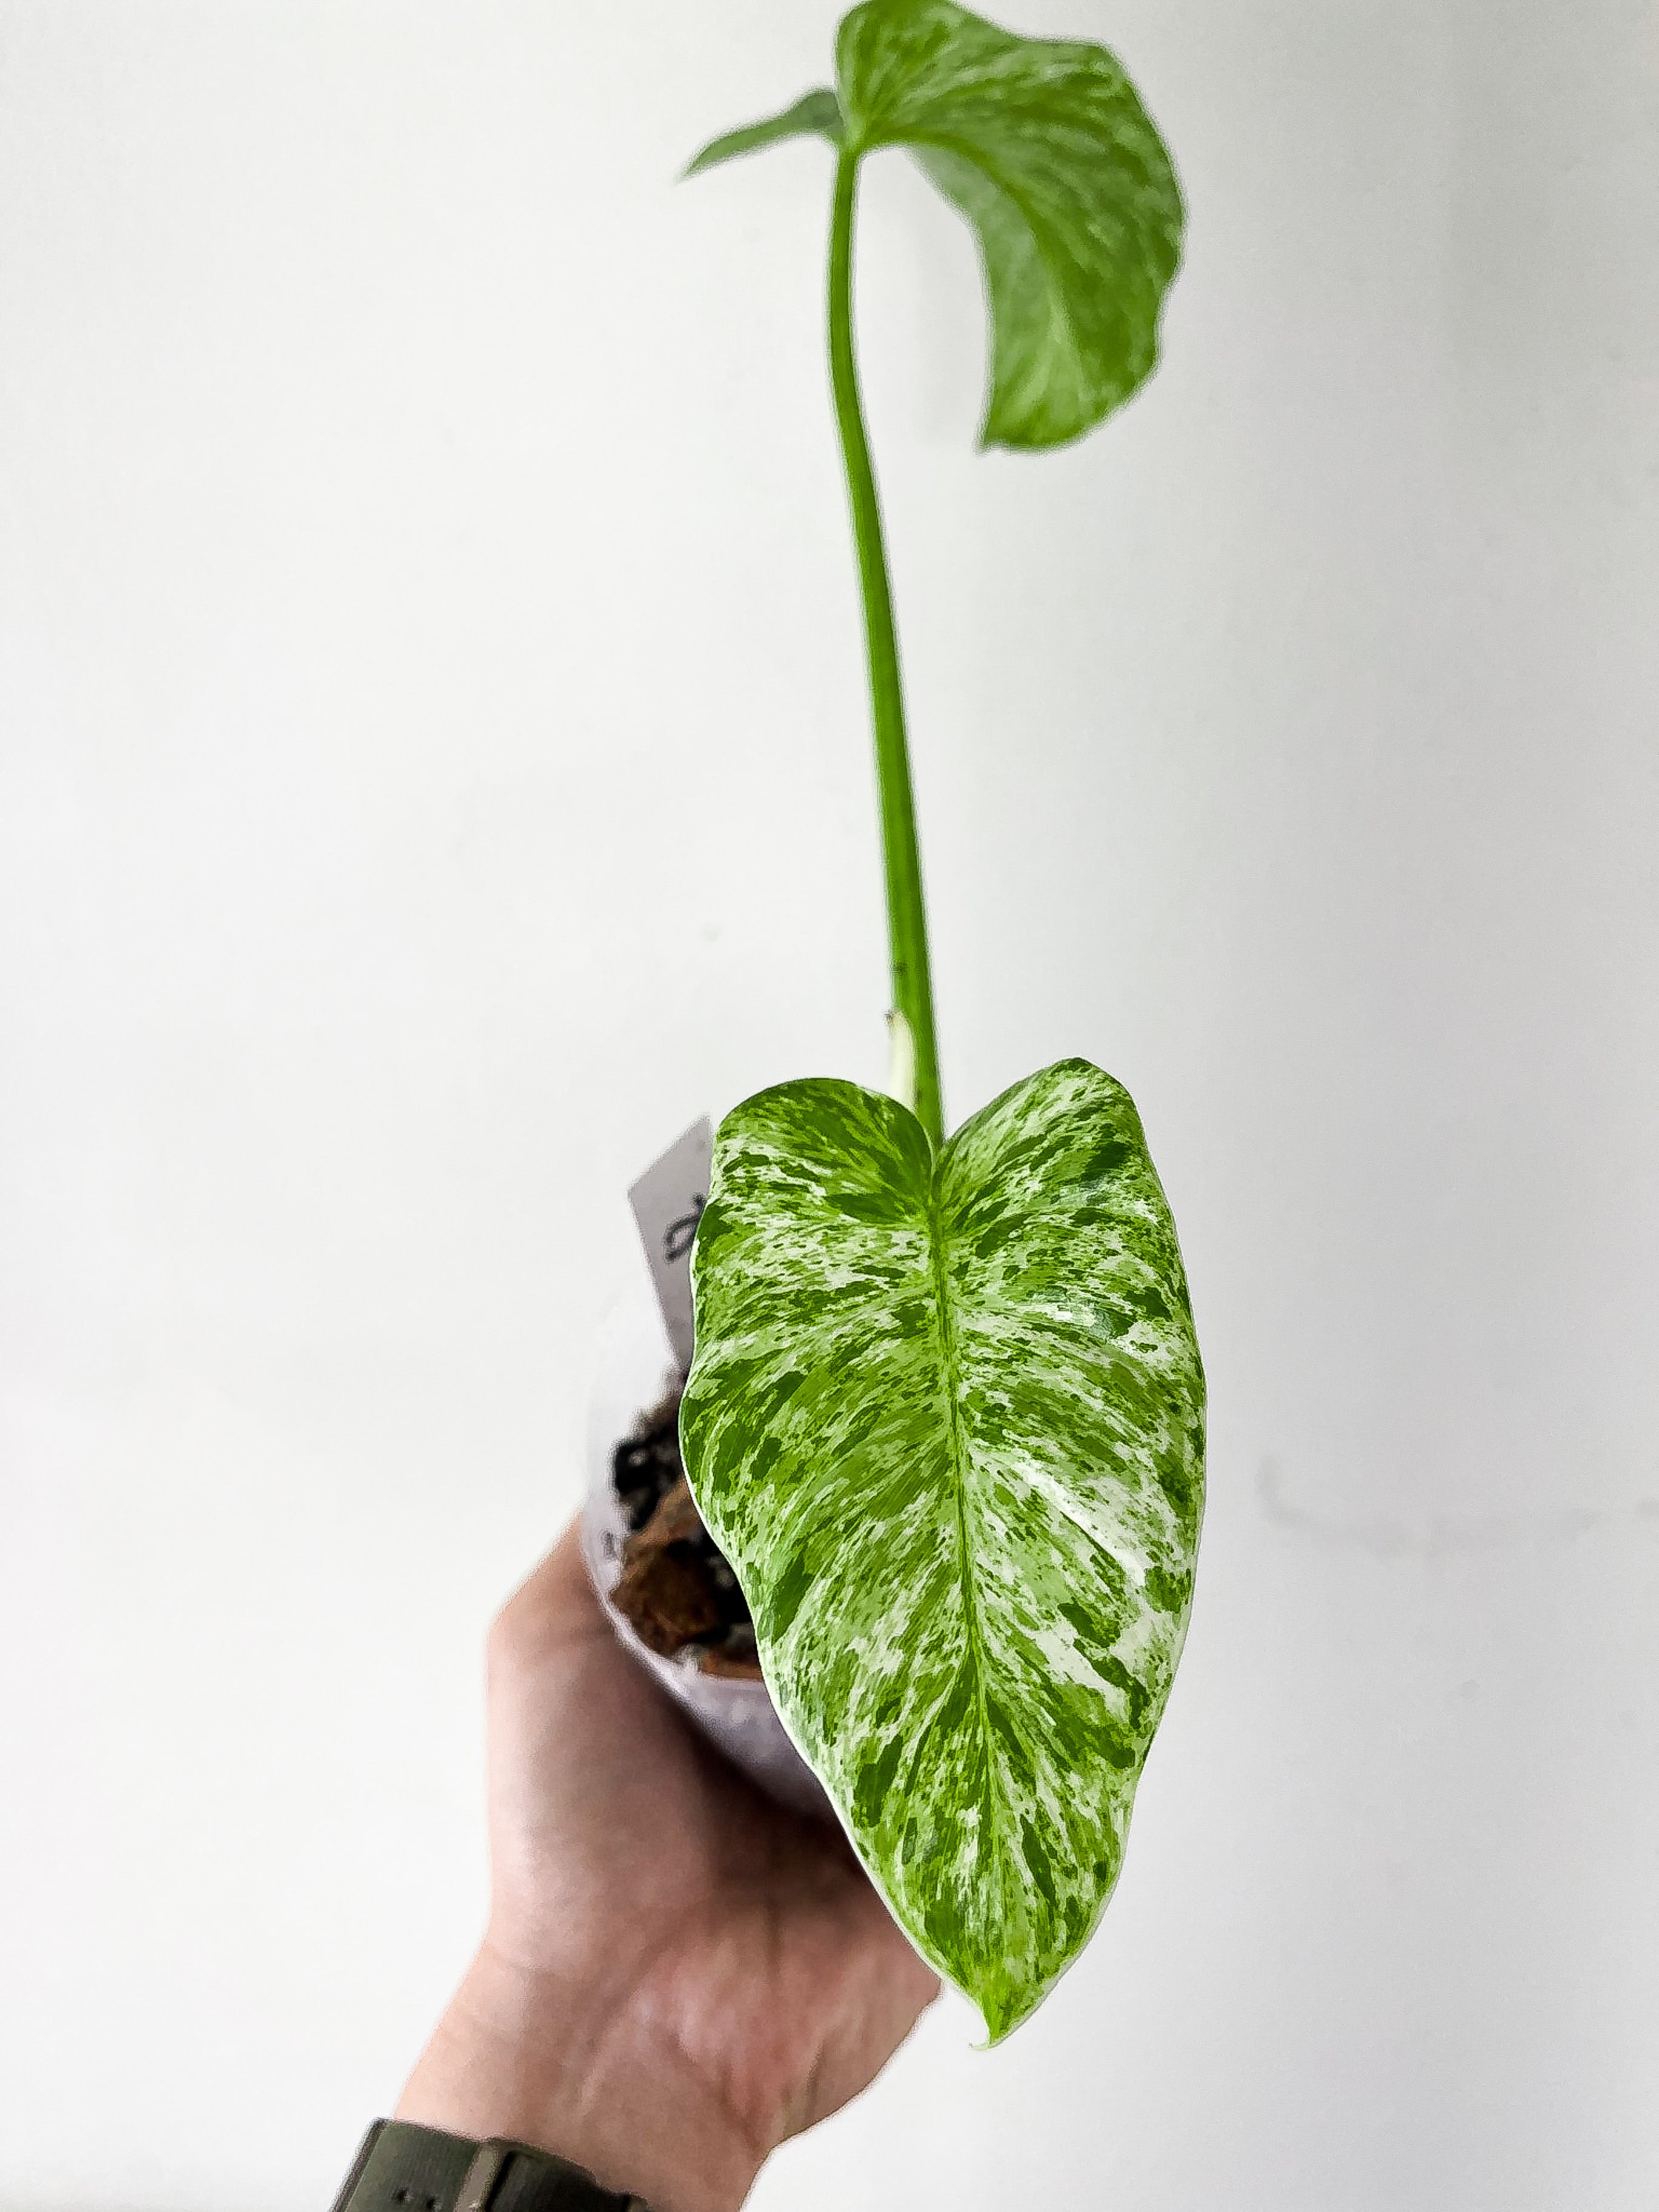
pixel 637 1378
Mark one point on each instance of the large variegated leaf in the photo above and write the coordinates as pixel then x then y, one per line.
pixel 945 1418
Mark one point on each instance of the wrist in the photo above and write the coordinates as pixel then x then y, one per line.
pixel 517 2054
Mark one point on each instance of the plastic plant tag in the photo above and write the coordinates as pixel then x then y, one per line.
pixel 668 1200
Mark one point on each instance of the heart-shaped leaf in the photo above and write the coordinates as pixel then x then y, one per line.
pixel 945 1418
pixel 1044 146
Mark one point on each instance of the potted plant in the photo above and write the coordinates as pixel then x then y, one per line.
pixel 943 1431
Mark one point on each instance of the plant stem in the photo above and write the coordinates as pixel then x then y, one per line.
pixel 907 916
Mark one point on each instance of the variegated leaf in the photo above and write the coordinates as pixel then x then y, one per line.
pixel 1045 147
pixel 945 1418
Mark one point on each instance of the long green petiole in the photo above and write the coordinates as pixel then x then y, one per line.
pixel 907 915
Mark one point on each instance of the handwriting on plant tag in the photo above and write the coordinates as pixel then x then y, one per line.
pixel 668 1200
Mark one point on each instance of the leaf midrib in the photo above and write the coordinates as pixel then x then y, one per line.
pixel 948 1368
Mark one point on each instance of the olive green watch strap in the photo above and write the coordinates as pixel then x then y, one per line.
pixel 404 2168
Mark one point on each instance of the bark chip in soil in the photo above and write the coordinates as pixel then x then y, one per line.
pixel 677 1590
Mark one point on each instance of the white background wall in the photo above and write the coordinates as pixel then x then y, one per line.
pixel 433 768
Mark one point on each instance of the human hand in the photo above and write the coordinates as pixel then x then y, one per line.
pixel 677 1974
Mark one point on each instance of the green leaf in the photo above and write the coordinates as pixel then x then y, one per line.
pixel 813 112
pixel 1046 148
pixel 945 1418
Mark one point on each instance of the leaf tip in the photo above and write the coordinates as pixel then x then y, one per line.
pixel 1003 2010
pixel 816 113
